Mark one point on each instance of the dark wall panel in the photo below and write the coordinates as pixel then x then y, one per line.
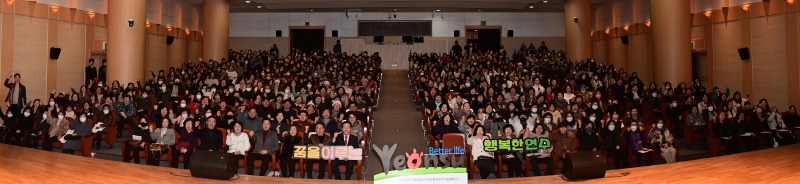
pixel 394 28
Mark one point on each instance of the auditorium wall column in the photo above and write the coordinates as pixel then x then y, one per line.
pixel 792 56
pixel 578 34
pixel 215 29
pixel 126 56
pixel 671 40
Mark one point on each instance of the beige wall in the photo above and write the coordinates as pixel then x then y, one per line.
pixel 156 52
pixel 71 67
pixel 178 47
pixel 769 60
pixel 729 66
pixel 193 49
pixel 638 58
pixel 259 43
pixel 31 54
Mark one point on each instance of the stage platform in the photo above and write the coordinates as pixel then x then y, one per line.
pixel 25 165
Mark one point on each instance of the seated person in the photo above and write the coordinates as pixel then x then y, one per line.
pixel 512 158
pixel 661 137
pixel 134 146
pixel 238 142
pixel 542 155
pixel 446 125
pixel 638 143
pixel 163 135
pixel 81 129
pixel 317 138
pixel 289 140
pixel 345 139
pixel 210 137
pixel 186 143
pixel 480 158
pixel 266 143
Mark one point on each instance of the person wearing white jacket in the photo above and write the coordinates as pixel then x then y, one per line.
pixel 238 141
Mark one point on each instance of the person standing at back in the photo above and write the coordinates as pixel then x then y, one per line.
pixel 16 97
pixel 456 49
pixel 338 47
pixel 102 73
pixel 91 72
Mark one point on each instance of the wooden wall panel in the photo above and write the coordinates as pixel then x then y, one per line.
pixel 71 38
pixel 7 45
pixel 619 53
pixel 52 65
pixel 599 51
pixel 769 60
pixel 30 54
pixel 638 57
pixel 262 43
pixel 177 53
pixel 156 52
pixel 727 64
pixel 193 49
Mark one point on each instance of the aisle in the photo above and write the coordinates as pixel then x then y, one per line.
pixel 396 120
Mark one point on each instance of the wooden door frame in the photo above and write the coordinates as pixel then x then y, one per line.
pixel 324 39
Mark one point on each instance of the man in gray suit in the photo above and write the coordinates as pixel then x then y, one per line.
pixel 266 143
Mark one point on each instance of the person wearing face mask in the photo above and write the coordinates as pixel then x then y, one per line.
pixel 675 115
pixel 660 136
pixel 615 144
pixel 11 124
pixel 82 129
pixel 143 105
pixel 162 94
pixel 570 122
pixel 587 137
pixel 106 118
pixel 638 144
pixel 125 111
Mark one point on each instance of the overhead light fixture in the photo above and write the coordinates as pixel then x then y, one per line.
pixel 608 31
pixel 247 1
pixel 438 10
pixel 479 10
pixel 530 6
pixel 91 15
pixel 258 6
pixel 54 8
pixel 187 32
pixel 544 1
pixel 647 23
pixel 625 27
pixel 746 7
pixel 707 13
pixel 312 10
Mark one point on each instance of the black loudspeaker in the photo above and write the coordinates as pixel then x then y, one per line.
pixel 584 165
pixel 213 165
pixel 170 39
pixel 744 53
pixel 278 33
pixel 624 39
pixel 335 33
pixel 456 33
pixel 54 53
pixel 510 33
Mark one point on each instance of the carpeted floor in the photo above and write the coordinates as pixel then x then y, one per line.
pixel 396 121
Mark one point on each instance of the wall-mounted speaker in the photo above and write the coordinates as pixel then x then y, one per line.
pixel 456 33
pixel 744 53
pixel 624 39
pixel 278 33
pixel 335 33
pixel 54 53
pixel 510 33
pixel 170 39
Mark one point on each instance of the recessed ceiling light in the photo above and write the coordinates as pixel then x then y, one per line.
pixel 544 1
pixel 530 6
pixel 247 1
pixel 312 10
pixel 479 10
pixel 258 6
pixel 438 10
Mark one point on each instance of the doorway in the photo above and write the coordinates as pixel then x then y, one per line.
pixel 484 38
pixel 307 38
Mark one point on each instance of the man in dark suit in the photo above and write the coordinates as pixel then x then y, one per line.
pixel 317 139
pixel 266 143
pixel 102 73
pixel 345 139
pixel 16 97
pixel 338 47
pixel 210 137
pixel 91 72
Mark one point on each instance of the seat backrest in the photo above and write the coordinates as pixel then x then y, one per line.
pixel 451 140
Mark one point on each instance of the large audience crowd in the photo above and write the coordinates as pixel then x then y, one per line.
pixel 581 106
pixel 256 105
